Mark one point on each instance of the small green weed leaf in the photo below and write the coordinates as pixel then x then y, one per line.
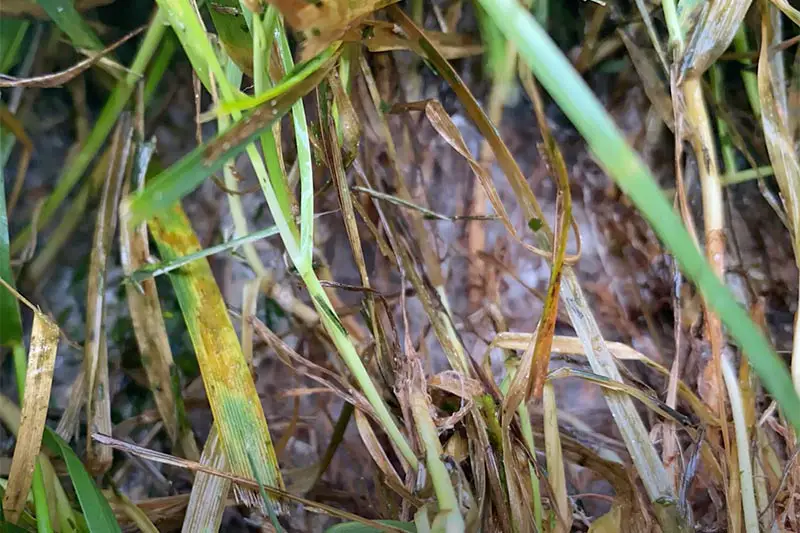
pixel 96 510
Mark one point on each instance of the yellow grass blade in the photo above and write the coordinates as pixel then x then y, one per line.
pixel 38 380
pixel 231 392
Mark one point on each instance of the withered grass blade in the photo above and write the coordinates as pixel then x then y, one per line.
pixel 555 460
pixel 788 9
pixel 628 170
pixel 649 466
pixel 547 324
pixel 96 511
pixel 98 412
pixel 781 147
pixel 209 492
pixel 38 380
pixel 149 327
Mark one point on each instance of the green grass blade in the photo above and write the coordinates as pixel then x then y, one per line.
pixel 185 175
pixel 233 32
pixel 292 78
pixel 229 385
pixel 12 33
pixel 188 26
pixel 10 325
pixel 164 267
pixel 96 511
pixel 304 163
pixel 610 148
pixel 67 18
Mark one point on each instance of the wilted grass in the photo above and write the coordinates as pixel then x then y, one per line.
pixel 464 449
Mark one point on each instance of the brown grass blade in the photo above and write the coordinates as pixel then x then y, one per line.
pixel 98 412
pixel 655 89
pixel 148 325
pixel 38 380
pixel 547 325
pixel 333 155
pixel 505 160
pixel 57 79
pixel 444 126
pixel 382 38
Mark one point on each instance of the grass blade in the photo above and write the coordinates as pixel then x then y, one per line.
pixel 231 392
pixel 39 378
pixel 182 177
pixel 244 482
pixel 10 323
pixel 209 492
pixel 712 35
pixel 12 33
pixel 636 437
pixel 149 328
pixel 68 20
pixel 96 510
pixel 98 412
pixel 97 513
pixel 785 159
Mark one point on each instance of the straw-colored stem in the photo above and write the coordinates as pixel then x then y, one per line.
pixel 742 447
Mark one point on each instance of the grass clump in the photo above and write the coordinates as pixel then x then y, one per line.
pixel 328 108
